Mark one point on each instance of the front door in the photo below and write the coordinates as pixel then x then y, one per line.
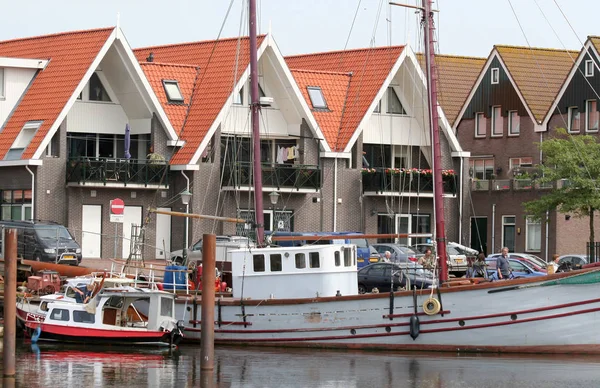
pixel 403 225
pixel 508 232
pixel 163 234
pixel 479 234
pixel 91 231
pixel 132 215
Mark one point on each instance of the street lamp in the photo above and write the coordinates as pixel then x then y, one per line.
pixel 274 197
pixel 185 199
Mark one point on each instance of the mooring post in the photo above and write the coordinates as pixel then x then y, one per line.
pixel 10 302
pixel 207 325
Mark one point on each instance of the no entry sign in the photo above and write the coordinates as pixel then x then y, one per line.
pixel 117 207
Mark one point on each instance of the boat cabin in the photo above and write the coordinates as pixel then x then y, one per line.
pixel 307 271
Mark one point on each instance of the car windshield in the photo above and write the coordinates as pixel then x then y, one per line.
pixel 537 260
pixel 52 232
pixel 406 250
pixel 359 242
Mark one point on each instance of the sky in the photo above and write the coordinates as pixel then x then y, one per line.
pixel 465 27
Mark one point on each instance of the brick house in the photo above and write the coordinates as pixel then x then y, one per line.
pixel 65 101
pixel 500 122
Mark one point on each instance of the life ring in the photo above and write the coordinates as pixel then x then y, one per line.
pixel 431 306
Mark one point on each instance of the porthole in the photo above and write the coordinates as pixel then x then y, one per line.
pixel 461 323
pixel 388 329
pixel 352 331
pixel 513 317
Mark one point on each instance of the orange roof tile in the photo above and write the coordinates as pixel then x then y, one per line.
pixel 456 78
pixel 71 54
pixel 539 73
pixel 220 68
pixel 335 89
pixel 185 76
pixel 369 67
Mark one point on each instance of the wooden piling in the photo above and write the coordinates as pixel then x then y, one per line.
pixel 207 337
pixel 10 301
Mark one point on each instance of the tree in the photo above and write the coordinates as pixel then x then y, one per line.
pixel 574 161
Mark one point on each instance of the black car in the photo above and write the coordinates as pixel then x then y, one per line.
pixel 384 276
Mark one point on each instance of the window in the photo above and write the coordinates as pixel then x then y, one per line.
pixel 1 82
pixel 337 260
pixel 520 162
pixel 480 125
pixel 300 260
pixel 172 91
pixel 258 262
pixel 495 75
pixel 59 315
pixel 497 122
pixel 316 97
pixel 97 90
pixel 589 68
pixel 573 119
pixel 533 235
pixel 347 257
pixel 166 306
pixel 83 317
pixel 313 259
pixel 514 122
pixel 508 232
pixel 276 263
pixel 483 168
pixel 238 99
pixel 591 116
pixel 16 205
pixel 377 107
pixel 54 146
pixel 23 139
pixel 394 104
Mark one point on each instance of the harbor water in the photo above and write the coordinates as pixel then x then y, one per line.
pixel 59 366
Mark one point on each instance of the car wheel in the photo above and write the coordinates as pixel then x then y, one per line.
pixel 362 289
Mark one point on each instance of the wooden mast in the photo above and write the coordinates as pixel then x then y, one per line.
pixel 438 189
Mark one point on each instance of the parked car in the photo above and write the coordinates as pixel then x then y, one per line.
pixel 520 268
pixel 383 275
pixel 463 249
pixel 400 254
pixel 45 241
pixel 574 259
pixel 457 262
pixel 537 263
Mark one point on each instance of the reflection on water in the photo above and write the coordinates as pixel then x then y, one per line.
pixel 57 366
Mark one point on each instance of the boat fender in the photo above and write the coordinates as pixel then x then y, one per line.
pixel 415 327
pixel 431 306
pixel 36 334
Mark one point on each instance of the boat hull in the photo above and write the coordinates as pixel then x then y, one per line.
pixel 522 316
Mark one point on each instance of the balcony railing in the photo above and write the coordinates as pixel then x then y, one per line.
pixel 121 171
pixel 380 181
pixel 508 184
pixel 292 176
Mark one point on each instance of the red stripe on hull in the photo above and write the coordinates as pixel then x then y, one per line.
pixel 82 332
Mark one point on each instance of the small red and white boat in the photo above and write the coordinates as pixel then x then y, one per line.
pixel 115 316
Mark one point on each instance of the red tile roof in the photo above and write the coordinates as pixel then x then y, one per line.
pixel 71 54
pixel 369 67
pixel 185 76
pixel 220 68
pixel 335 90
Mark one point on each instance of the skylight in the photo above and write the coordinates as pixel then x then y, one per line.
pixel 316 97
pixel 23 139
pixel 172 91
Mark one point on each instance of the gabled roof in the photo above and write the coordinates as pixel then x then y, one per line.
pixel 335 88
pixel 538 74
pixel 185 76
pixel 595 41
pixel 221 67
pixel 370 67
pixel 456 77
pixel 71 54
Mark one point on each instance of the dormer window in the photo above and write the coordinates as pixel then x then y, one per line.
pixel 23 139
pixel 394 104
pixel 589 68
pixel 172 91
pixel 1 82
pixel 316 97
pixel 495 74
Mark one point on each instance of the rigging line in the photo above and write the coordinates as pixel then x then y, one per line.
pixel 349 33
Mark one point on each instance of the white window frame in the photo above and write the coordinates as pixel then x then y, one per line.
pixel 497 110
pixel 510 123
pixel 587 117
pixel 238 98
pixel 495 76
pixel 26 134
pixel 477 131
pixel 525 161
pixel 316 89
pixel 2 88
pixel 589 68
pixel 569 118
pixel 172 98
pixel 529 222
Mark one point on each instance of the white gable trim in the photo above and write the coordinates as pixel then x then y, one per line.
pixel 21 162
pixel 23 63
pixel 375 101
pixel 585 50
pixel 63 114
pixel 493 54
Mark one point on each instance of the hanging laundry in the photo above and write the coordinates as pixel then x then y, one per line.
pixel 280 152
pixel 290 151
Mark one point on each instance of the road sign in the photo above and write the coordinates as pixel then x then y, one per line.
pixel 117 207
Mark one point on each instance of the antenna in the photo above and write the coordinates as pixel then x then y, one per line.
pixel 118 20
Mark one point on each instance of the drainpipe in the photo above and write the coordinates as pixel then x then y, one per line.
pixel 335 179
pixel 460 203
pixel 493 227
pixel 547 235
pixel 187 219
pixel 32 192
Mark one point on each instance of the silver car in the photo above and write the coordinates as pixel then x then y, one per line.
pixel 224 243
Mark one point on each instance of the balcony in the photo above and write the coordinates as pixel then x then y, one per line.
pixel 518 184
pixel 298 177
pixel 381 181
pixel 139 173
